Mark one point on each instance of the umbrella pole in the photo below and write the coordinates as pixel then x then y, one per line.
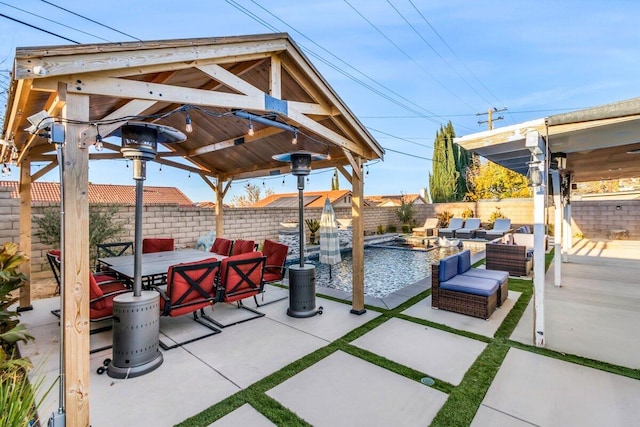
pixel 330 278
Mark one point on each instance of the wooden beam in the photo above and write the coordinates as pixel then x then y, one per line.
pixel 23 90
pixel 44 170
pixel 53 106
pixel 104 60
pixel 122 88
pixel 355 165
pixel 25 232
pixel 230 80
pixel 345 173
pixel 75 290
pixel 258 135
pixel 275 77
pixel 357 213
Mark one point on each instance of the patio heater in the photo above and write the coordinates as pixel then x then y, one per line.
pixel 136 324
pixel 302 277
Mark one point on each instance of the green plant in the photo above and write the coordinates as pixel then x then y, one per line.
pixel 405 212
pixel 102 227
pixel 406 229
pixel 380 229
pixel 313 225
pixel 443 218
pixel 495 215
pixel 391 228
pixel 468 213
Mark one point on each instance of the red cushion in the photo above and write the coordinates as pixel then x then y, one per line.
pixel 242 247
pixel 235 285
pixel 221 246
pixel 156 245
pixel 276 254
pixel 104 306
pixel 178 286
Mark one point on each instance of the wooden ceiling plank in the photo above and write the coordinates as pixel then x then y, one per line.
pixel 229 79
pixel 122 88
pixel 60 65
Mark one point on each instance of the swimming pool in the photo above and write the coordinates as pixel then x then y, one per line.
pixel 386 270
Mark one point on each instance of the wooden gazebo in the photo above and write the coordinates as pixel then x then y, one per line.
pixel 218 83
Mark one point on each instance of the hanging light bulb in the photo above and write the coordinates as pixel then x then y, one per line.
pixel 160 170
pixel 8 171
pixel 98 145
pixel 308 181
pixel 189 175
pixel 294 140
pixel 367 173
pixel 283 182
pixel 250 132
pixel 4 170
pixel 14 153
pixel 188 127
pixel 127 162
pixel 263 184
pixel 328 154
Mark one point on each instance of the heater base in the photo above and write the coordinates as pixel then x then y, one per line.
pixel 134 371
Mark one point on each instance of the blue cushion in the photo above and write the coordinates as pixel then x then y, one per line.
pixel 500 276
pixel 471 285
pixel 464 261
pixel 448 268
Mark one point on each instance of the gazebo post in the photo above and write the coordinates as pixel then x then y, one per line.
pixel 357 241
pixel 25 232
pixel 557 225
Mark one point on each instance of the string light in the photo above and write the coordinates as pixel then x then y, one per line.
pixel 294 140
pixel 127 163
pixel 14 153
pixel 283 181
pixel 188 127
pixel 328 154
pixel 189 175
pixel 251 132
pixel 308 181
pixel 263 184
pixel 160 170
pixel 6 170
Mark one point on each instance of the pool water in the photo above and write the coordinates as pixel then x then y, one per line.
pixel 386 270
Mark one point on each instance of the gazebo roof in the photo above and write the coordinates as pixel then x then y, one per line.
pixel 208 78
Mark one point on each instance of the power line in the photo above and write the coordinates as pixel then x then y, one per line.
pixel 407 154
pixel 38 28
pixel 90 20
pixel 55 22
pixel 400 138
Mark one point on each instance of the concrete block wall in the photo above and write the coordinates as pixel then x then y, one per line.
pixel 595 219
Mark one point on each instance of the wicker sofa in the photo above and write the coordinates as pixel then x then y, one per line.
pixel 454 287
pixel 514 258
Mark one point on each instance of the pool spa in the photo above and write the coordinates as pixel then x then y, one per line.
pixel 386 269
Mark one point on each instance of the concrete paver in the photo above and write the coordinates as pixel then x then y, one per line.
pixel 342 390
pixel 550 392
pixel 243 416
pixel 437 353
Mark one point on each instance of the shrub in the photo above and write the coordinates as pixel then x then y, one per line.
pixel 406 229
pixel 495 215
pixel 468 213
pixel 405 212
pixel 314 226
pixel 443 218
pixel 391 228
pixel 102 227
pixel 380 229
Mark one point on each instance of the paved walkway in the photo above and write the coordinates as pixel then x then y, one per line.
pixel 343 389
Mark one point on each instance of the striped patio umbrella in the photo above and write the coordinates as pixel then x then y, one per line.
pixel 329 241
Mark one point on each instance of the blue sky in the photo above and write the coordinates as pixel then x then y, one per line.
pixel 404 67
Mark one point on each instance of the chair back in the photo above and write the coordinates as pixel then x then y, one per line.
pixel 502 224
pixel 242 247
pixel 53 256
pixel 472 223
pixel 456 223
pixel 430 223
pixel 190 286
pixel 221 246
pixel 276 255
pixel 155 244
pixel 108 250
pixel 240 276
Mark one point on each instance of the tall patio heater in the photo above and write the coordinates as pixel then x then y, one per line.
pixel 302 277
pixel 136 316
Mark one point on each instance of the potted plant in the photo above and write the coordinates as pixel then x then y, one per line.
pixel 313 225
pixel 405 213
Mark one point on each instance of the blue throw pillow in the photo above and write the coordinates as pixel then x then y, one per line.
pixel 464 261
pixel 448 268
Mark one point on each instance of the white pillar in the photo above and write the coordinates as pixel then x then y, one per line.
pixel 568 240
pixel 535 143
pixel 557 228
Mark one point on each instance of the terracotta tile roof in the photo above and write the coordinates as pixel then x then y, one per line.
pixel 105 193
pixel 312 199
pixel 393 200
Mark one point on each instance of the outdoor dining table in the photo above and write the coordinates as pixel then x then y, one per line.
pixel 155 263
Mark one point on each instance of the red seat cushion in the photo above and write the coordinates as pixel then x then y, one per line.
pixel 242 247
pixel 183 298
pixel 276 254
pixel 156 245
pixel 221 246
pixel 104 306
pixel 234 282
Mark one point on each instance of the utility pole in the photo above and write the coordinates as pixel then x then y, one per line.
pixel 490 118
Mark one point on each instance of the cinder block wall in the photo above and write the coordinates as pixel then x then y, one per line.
pixel 593 219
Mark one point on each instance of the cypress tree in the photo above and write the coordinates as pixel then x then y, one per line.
pixel 443 180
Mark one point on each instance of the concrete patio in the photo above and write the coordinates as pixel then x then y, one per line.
pixel 594 314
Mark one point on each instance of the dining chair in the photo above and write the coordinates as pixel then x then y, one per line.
pixel 53 257
pixel 240 277
pixel 275 257
pixel 221 246
pixel 114 249
pixel 156 244
pixel 190 287
pixel 242 247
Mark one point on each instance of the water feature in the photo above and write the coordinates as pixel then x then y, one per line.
pixel 386 269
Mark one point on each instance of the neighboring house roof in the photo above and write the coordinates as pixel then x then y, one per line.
pixel 311 199
pixel 105 193
pixel 395 200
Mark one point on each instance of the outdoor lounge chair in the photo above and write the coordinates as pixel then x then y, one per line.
pixel 242 247
pixel 429 228
pixel 240 277
pixel 221 246
pixel 276 256
pixel 454 224
pixel 469 229
pixel 190 287
pixel 500 227
pixel 156 244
